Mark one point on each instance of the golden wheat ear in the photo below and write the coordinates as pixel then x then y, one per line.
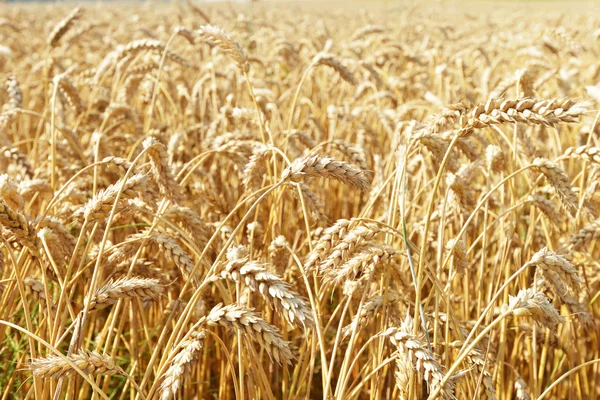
pixel 92 363
pixel 63 26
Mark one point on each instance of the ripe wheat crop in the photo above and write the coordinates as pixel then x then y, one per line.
pixel 284 201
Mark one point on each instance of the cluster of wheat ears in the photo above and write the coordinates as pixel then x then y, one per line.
pixel 281 203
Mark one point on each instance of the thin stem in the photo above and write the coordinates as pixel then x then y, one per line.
pixel 461 357
pixel 566 375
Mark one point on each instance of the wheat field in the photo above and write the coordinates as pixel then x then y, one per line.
pixel 299 201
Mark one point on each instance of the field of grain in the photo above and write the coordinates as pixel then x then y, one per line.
pixel 286 201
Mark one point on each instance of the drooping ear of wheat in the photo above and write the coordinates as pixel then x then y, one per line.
pixel 162 171
pixel 415 355
pixel 348 245
pixel 560 182
pixel 526 110
pixel 36 289
pixel 278 253
pixel 9 192
pixel 588 153
pixel 547 207
pixel 92 363
pixel 552 263
pixel 521 389
pixel 255 168
pixel 197 10
pixel 368 311
pixel 359 267
pixel 585 235
pixel 481 369
pixel 330 237
pixel 141 288
pixel 459 255
pixel 256 329
pixel 181 365
pixel 231 47
pixel 20 227
pixel 100 205
pixel 137 46
pixel 326 167
pixel 68 90
pixel 13 153
pixel 15 95
pixel 530 303
pixel 330 61
pixel 274 289
pixel 438 147
pixel 495 159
